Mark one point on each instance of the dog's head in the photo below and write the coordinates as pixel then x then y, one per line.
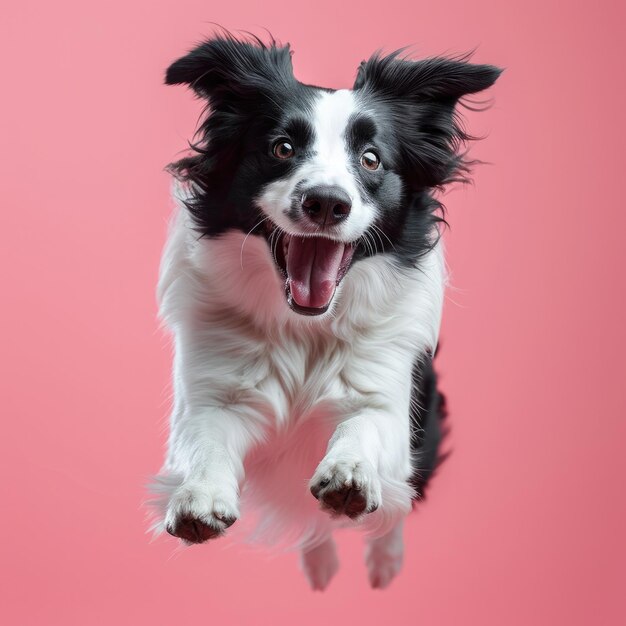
pixel 327 177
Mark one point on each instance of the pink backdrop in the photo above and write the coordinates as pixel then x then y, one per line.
pixel 524 524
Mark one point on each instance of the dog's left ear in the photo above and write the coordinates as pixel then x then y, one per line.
pixel 423 96
pixel 431 79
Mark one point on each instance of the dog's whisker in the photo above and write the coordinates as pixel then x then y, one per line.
pixel 363 243
pixel 384 234
pixel 378 237
pixel 372 242
pixel 246 239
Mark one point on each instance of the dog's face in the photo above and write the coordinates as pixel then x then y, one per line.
pixel 327 177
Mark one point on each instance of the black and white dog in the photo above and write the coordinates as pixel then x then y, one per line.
pixel 303 281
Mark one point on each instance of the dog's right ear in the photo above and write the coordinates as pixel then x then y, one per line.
pixel 228 68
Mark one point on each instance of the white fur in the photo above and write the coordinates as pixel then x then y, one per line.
pixel 329 165
pixel 320 564
pixel 267 401
pixel 384 557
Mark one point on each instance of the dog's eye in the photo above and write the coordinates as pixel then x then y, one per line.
pixel 283 150
pixel 370 160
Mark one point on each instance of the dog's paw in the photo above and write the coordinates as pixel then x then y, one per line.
pixel 197 513
pixel 320 564
pixel 384 556
pixel 383 563
pixel 346 487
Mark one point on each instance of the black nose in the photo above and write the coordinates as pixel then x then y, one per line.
pixel 326 204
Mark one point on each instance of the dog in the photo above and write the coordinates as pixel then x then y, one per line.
pixel 303 281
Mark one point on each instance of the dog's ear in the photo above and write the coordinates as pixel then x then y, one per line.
pixel 422 96
pixel 431 79
pixel 226 68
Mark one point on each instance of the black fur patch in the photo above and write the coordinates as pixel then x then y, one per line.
pixel 428 411
pixel 253 99
pixel 420 137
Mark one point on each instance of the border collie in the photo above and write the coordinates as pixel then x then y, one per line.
pixel 303 282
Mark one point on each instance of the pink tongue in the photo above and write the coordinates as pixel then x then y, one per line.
pixel 313 265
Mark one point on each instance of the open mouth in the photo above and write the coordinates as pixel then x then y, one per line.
pixel 312 267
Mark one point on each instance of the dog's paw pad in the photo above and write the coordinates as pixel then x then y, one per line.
pixel 349 488
pixel 195 514
pixel 192 530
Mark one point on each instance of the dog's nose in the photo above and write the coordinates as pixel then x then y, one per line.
pixel 326 205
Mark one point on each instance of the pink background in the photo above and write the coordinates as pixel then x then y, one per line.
pixel 524 524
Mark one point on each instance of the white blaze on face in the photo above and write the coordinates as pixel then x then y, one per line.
pixel 330 164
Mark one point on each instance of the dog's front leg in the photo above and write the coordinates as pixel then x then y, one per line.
pixel 366 466
pixel 207 450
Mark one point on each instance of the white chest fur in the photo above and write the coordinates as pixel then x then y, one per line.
pixel 288 380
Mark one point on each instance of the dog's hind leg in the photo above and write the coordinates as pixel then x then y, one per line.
pixel 384 556
pixel 320 564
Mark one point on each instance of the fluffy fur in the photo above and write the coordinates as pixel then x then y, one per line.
pixel 304 393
